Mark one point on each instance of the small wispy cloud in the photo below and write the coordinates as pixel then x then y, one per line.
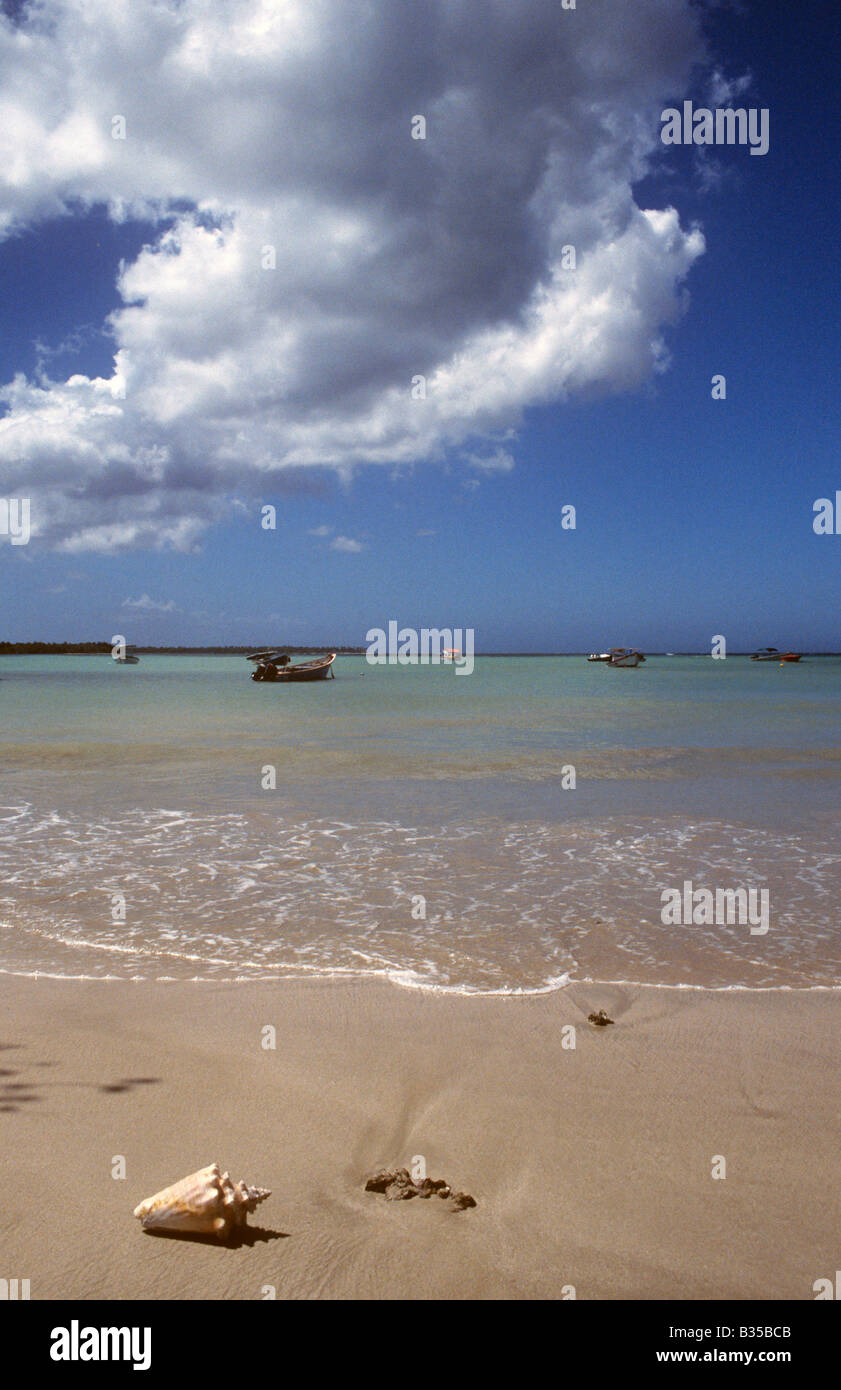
pixel 70 346
pixel 723 90
pixel 426 532
pixel 500 461
pixel 346 545
pixel 145 604
pixel 320 531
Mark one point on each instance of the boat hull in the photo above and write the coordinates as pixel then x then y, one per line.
pixel 319 674
pixel 624 656
pixel 308 671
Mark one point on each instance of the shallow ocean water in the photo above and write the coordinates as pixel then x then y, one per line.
pixel 423 824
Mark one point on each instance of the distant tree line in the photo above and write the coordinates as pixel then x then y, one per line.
pixel 104 648
pixel 51 648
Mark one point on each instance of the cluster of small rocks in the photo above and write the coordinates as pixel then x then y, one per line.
pixel 600 1019
pixel 399 1187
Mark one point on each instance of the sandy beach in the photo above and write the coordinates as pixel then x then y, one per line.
pixel 591 1166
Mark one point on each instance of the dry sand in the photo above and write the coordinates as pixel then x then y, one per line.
pixel 591 1167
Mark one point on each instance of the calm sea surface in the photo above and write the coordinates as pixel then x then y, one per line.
pixel 420 826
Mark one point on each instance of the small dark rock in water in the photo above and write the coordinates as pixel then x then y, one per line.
pixel 399 1187
pixel 600 1019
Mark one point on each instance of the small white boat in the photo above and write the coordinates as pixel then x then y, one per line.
pixel 599 656
pixel 624 656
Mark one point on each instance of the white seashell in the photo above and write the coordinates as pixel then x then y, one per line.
pixel 206 1202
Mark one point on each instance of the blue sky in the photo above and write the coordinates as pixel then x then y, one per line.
pixel 694 516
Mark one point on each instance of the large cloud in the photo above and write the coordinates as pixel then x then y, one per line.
pixel 287 124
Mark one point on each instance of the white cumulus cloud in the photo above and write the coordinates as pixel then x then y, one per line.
pixel 310 259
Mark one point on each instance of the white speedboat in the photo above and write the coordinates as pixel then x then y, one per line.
pixel 599 656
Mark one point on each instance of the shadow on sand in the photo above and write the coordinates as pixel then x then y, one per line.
pixel 14 1093
pixel 243 1236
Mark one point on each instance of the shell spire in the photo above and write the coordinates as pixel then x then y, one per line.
pixel 205 1203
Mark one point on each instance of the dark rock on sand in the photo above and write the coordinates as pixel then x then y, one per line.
pixel 430 1187
pixel 600 1019
pixel 379 1182
pixel 400 1190
pixel 399 1187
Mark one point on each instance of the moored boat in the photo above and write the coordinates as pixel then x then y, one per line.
pixel 599 656
pixel 624 656
pixel 772 654
pixel 274 666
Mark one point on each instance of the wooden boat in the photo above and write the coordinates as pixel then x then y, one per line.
pixel 275 666
pixel 771 654
pixel 624 656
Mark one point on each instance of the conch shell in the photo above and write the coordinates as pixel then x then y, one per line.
pixel 206 1203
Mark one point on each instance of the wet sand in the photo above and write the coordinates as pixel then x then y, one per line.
pixel 591 1165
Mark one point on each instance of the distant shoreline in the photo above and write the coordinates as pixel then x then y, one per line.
pixel 104 649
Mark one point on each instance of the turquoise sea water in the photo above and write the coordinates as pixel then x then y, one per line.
pixel 402 791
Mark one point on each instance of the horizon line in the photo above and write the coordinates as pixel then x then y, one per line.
pixel 97 648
